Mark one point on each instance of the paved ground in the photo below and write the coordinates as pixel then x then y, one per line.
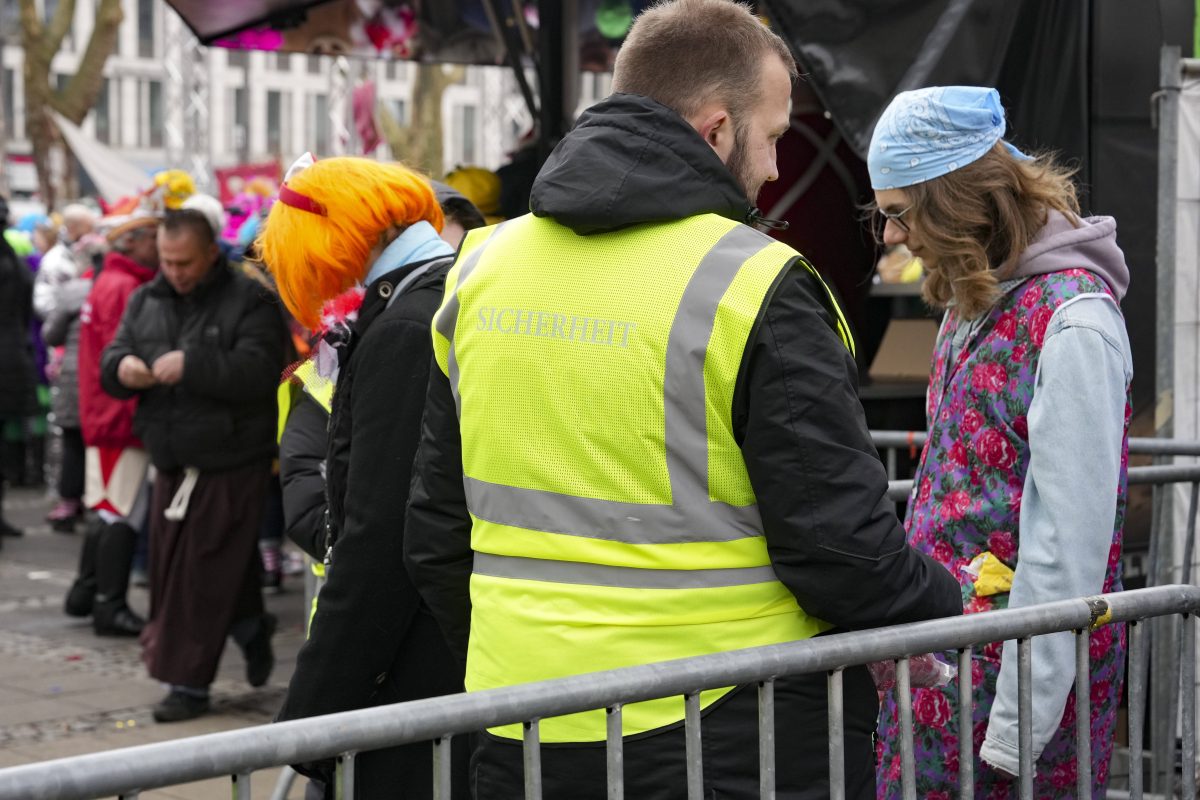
pixel 65 691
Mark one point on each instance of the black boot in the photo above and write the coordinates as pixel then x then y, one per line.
pixel 82 594
pixel 114 556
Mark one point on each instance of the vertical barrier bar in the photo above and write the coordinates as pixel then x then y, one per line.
pixel 533 761
pixel 1083 712
pixel 908 776
pixel 1025 717
pixel 966 726
pixel 766 740
pixel 343 777
pixel 241 786
pixel 1137 707
pixel 695 760
pixel 837 738
pixel 441 768
pixel 1187 702
pixel 891 463
pixel 615 752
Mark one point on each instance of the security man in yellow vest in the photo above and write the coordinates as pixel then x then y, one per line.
pixel 643 440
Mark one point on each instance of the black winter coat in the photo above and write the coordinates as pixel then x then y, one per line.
pixel 302 474
pixel 18 377
pixel 832 534
pixel 372 641
pixel 223 413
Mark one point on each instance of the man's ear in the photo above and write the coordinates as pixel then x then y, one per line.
pixel 716 128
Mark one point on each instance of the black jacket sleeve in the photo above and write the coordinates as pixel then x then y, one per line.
pixel 251 367
pixel 301 473
pixel 437 544
pixel 368 602
pixel 122 344
pixel 832 534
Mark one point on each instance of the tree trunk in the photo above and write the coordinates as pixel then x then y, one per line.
pixel 419 144
pixel 38 127
pixel 41 41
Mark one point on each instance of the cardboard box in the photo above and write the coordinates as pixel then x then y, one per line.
pixel 906 352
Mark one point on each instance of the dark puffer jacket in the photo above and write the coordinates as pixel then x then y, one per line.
pixel 231 331
pixel 17 377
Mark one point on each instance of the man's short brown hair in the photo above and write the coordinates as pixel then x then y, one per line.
pixel 686 53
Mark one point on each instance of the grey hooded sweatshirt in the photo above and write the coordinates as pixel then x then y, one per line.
pixel 1076 428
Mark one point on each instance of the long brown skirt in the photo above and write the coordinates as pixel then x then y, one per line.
pixel 204 571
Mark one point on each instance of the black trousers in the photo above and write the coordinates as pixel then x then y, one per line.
pixel 656 765
pixel 70 478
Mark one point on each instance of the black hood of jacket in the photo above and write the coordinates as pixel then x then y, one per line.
pixel 630 160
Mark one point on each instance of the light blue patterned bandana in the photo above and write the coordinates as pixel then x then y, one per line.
pixel 926 133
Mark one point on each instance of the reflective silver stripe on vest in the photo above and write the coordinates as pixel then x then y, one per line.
pixel 692 516
pixel 538 569
pixel 635 523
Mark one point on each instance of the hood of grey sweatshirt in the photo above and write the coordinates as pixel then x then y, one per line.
pixel 1059 246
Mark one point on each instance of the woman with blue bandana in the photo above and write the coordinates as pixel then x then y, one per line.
pixel 1021 489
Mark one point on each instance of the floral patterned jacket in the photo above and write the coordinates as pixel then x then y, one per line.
pixel 1028 418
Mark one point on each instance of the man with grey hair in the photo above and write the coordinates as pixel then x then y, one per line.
pixel 644 440
pixel 58 294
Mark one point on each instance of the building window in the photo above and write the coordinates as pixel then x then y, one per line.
pixel 274 122
pixel 467 127
pixel 61 81
pixel 238 58
pixel 103 117
pixel 399 109
pixel 283 62
pixel 10 104
pixel 240 114
pixel 319 123
pixel 156 112
pixel 145 24
pixel 314 65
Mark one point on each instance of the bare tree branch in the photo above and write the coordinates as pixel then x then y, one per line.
pixel 60 25
pixel 79 95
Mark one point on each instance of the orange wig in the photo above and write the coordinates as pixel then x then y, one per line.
pixel 316 257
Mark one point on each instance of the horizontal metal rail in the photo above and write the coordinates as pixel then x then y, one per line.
pixel 885 440
pixel 1170 473
pixel 129 770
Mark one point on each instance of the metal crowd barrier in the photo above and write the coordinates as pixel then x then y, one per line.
pixel 891 442
pixel 238 753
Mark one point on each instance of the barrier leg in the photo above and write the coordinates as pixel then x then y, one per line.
pixel 241 786
pixel 441 768
pixel 837 738
pixel 615 752
pixel 1025 717
pixel 1137 707
pixel 1083 712
pixel 1187 701
pixel 766 740
pixel 533 762
pixel 966 726
pixel 908 777
pixel 695 760
pixel 343 777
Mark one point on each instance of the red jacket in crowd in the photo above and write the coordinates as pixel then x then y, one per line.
pixel 106 421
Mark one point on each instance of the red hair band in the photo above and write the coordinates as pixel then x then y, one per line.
pixel 290 197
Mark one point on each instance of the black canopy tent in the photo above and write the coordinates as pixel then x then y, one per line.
pixel 1076 75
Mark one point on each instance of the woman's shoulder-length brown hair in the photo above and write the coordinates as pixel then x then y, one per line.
pixel 980 218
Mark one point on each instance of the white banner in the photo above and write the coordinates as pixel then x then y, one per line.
pixel 114 176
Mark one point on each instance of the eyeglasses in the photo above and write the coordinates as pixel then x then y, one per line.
pixel 895 216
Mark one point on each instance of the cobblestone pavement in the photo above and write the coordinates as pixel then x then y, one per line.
pixel 64 691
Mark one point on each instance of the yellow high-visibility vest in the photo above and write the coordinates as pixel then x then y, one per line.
pixel 613 520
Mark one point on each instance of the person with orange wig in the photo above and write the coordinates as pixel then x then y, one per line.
pixel 354 248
